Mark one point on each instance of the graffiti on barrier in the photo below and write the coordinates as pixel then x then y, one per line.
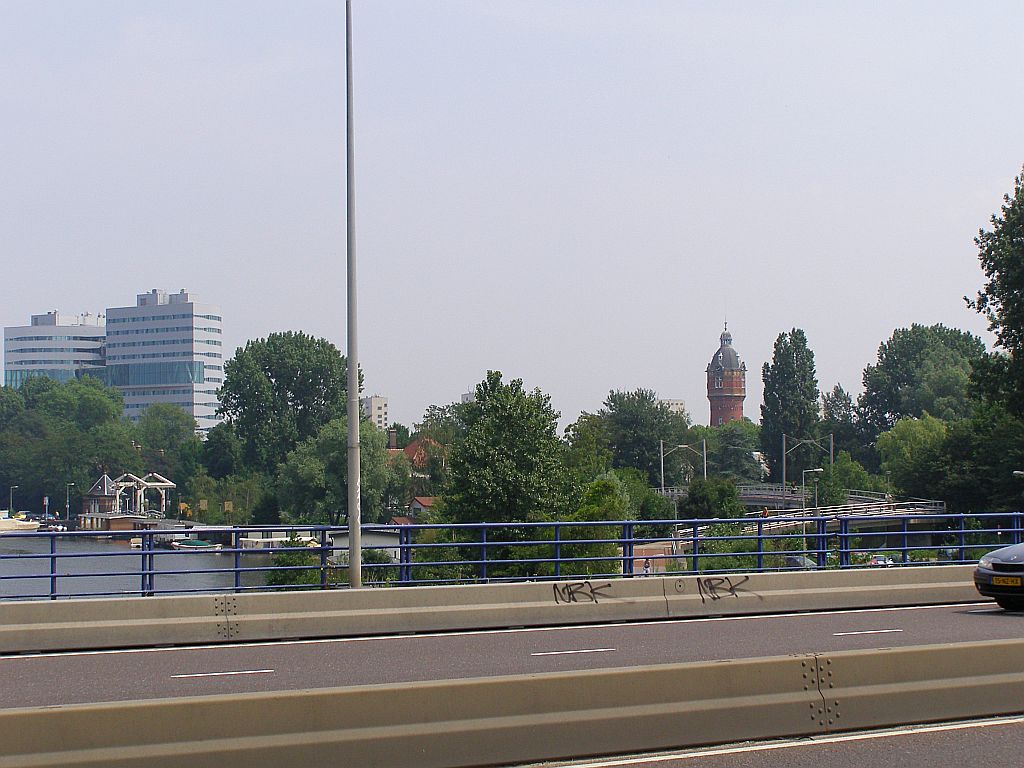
pixel 716 587
pixel 580 592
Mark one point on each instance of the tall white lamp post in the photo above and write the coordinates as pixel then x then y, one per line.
pixel 67 500
pixel 803 500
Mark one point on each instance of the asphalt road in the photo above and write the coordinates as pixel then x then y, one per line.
pixel 990 742
pixel 96 676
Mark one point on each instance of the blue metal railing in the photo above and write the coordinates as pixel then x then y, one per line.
pixel 92 563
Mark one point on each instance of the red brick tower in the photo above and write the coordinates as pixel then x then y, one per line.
pixel 727 383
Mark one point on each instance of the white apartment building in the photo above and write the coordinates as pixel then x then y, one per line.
pixel 58 346
pixel 375 408
pixel 166 349
pixel 674 405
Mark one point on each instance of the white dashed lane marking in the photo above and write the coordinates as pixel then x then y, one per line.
pixel 866 632
pixel 226 674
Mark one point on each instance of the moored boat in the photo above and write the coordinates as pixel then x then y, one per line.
pixel 16 524
pixel 195 545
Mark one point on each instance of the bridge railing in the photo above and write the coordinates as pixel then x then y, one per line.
pixel 774 495
pixel 91 563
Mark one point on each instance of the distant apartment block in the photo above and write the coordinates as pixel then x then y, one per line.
pixel 55 345
pixel 675 406
pixel 375 408
pixel 167 348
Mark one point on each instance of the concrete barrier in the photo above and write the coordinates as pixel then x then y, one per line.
pixel 528 717
pixel 111 623
pixel 460 723
pixel 425 609
pixel 738 594
pixel 869 689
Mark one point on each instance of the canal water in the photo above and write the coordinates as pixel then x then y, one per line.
pixel 93 567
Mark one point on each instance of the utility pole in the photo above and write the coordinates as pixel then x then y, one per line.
pixel 355 552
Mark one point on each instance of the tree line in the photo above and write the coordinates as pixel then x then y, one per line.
pixel 939 417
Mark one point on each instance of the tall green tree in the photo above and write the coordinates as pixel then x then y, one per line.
pixel 734 451
pixel 83 403
pixel 398 487
pixel 222 451
pixel 281 390
pixel 603 499
pixel 510 466
pixel 168 444
pixel 63 433
pixel 715 497
pixel 643 501
pixel 846 474
pixel 245 492
pixel 12 405
pixel 840 418
pixel 312 483
pixel 790 405
pixel 589 455
pixel 636 424
pixel 920 369
pixel 445 424
pixel 974 472
pixel 912 455
pixel 1000 375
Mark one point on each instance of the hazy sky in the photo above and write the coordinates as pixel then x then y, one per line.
pixel 574 192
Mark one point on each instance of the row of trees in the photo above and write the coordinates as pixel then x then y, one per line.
pixel 939 417
pixel 57 439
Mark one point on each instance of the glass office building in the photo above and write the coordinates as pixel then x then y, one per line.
pixel 166 349
pixel 55 345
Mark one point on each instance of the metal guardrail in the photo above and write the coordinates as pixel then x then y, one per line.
pixel 91 564
pixel 793 496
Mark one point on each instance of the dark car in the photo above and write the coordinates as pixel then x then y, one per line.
pixel 799 561
pixel 1000 575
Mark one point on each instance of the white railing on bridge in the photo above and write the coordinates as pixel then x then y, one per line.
pixel 756 522
pixel 770 494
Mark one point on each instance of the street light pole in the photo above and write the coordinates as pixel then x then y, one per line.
pixel 703 452
pixel 803 501
pixel 803 485
pixel 67 500
pixel 662 444
pixel 355 551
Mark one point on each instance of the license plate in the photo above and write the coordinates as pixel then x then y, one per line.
pixel 1006 581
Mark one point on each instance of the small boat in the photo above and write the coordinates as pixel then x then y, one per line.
pixel 16 524
pixel 196 545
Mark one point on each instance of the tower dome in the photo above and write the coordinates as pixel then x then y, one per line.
pixel 727 382
pixel 726 358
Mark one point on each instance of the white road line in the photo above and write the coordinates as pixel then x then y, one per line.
pixel 420 636
pixel 866 632
pixel 226 674
pixel 808 743
pixel 566 653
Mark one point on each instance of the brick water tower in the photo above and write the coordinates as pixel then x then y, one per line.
pixel 727 383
